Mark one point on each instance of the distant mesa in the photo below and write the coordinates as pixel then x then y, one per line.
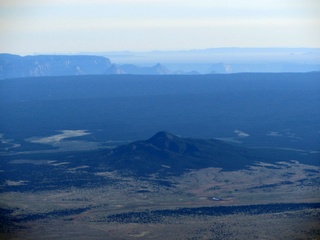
pixel 157 69
pixel 177 154
pixel 14 66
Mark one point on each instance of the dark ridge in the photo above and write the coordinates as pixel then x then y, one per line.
pixel 165 153
pixel 165 141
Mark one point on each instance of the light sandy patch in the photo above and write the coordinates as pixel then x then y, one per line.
pixel 274 134
pixel 241 133
pixel 77 168
pixel 58 164
pixel 29 161
pixel 15 183
pixel 230 139
pixel 165 166
pixel 8 141
pixel 139 235
pixel 58 137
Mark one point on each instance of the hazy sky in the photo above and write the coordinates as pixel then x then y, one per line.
pixel 70 26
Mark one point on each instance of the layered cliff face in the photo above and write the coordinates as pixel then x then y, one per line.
pixel 14 66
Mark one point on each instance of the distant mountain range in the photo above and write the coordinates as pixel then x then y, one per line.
pixel 224 60
pixel 165 153
pixel 210 61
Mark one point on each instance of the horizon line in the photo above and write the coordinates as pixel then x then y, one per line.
pixel 157 50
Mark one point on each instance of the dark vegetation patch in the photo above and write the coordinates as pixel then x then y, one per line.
pixel 7 222
pixel 311 170
pixel 142 191
pixel 131 107
pixel 56 213
pixel 270 186
pixel 158 216
pixel 40 177
pixel 272 167
pixel 135 107
pixel 163 183
pixel 309 182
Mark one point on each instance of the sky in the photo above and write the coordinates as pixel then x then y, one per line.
pixel 73 26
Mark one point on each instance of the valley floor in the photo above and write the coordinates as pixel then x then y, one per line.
pixel 132 208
